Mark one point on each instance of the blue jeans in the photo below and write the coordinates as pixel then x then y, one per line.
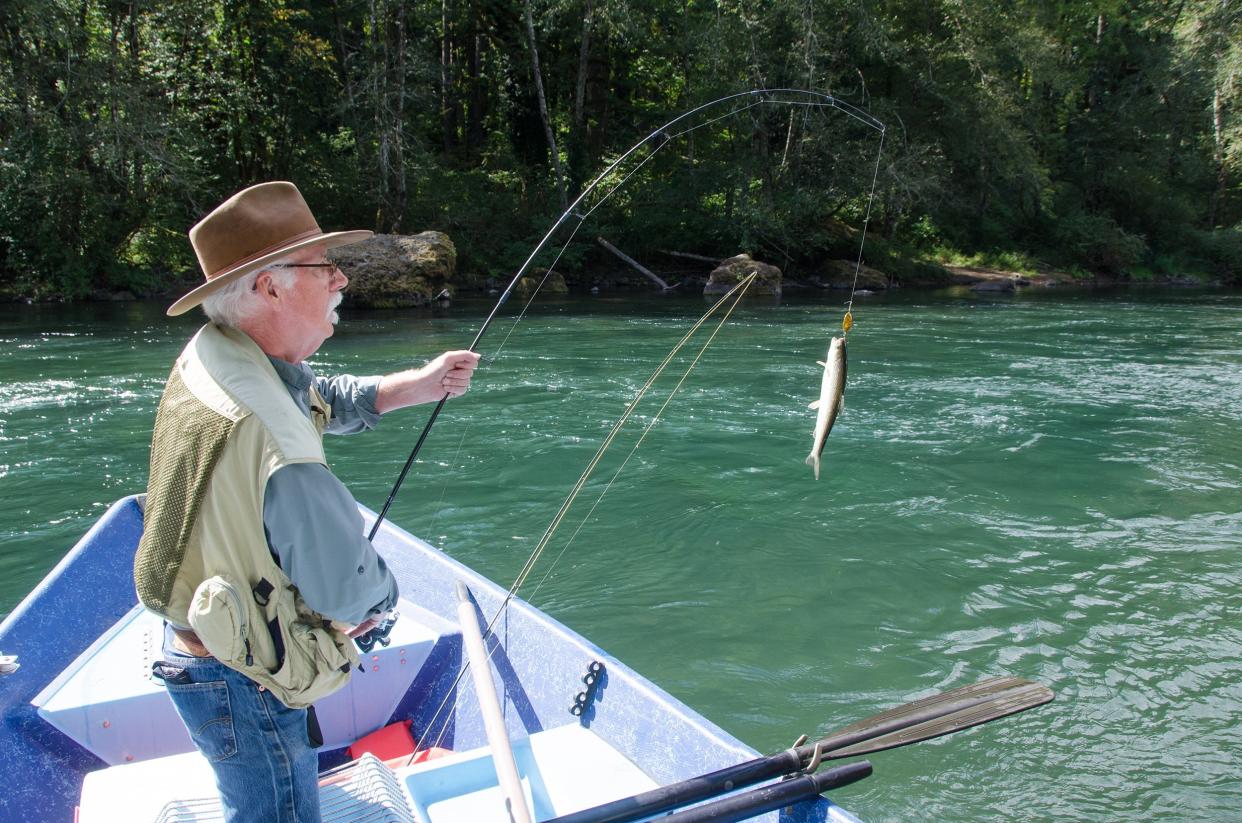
pixel 266 769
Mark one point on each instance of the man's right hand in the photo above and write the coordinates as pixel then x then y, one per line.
pixel 364 627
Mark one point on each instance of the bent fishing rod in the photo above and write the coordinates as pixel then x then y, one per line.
pixel 662 136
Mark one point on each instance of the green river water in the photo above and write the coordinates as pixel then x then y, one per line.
pixel 1044 485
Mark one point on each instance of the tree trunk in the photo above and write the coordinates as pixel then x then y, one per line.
pixel 1222 171
pixel 398 121
pixel 543 106
pixel 476 134
pixel 447 130
pixel 584 51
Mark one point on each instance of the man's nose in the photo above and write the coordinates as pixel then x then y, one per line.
pixel 341 280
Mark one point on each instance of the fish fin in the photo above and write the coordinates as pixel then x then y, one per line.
pixel 821 363
pixel 813 405
pixel 812 459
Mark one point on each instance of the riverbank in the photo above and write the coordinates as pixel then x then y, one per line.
pixel 692 280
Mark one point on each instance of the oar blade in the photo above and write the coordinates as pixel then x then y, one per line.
pixel 946 713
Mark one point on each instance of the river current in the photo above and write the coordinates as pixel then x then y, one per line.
pixel 1043 485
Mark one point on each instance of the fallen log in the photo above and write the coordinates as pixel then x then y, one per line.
pixel 634 264
pixel 690 256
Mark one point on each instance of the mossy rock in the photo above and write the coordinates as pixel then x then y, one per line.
pixel 395 271
pixel 732 271
pixel 839 274
pixel 555 284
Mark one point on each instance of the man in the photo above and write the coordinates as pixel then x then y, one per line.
pixel 252 551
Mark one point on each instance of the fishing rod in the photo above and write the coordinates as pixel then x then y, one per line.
pixel 754 97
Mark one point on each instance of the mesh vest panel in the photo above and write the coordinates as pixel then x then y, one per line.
pixel 188 440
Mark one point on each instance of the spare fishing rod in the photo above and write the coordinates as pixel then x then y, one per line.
pixel 662 136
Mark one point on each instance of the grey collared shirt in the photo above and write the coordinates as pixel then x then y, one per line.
pixel 313 525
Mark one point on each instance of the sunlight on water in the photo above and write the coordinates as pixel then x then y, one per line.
pixel 1042 485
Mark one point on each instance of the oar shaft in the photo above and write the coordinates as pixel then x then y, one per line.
pixel 688 791
pixel 750 804
pixel 489 705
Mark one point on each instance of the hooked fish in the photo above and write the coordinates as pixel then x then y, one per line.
pixel 831 399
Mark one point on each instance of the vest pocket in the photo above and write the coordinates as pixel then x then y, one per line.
pixel 261 634
pixel 220 619
pixel 314 665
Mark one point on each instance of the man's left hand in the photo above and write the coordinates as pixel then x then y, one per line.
pixel 450 374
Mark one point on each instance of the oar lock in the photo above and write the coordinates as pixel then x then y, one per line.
pixel 593 679
pixel 817 757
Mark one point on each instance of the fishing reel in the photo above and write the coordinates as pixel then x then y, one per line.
pixel 378 636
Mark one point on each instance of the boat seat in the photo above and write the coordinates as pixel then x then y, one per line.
pixel 108 701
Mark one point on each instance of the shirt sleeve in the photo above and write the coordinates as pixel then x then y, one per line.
pixel 352 400
pixel 315 531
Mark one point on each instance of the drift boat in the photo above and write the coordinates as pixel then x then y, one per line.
pixel 89 735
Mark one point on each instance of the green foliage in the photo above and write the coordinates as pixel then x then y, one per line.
pixel 998 259
pixel 1096 138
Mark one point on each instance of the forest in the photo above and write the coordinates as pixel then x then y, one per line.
pixel 1100 139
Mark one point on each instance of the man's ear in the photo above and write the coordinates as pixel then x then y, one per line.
pixel 267 287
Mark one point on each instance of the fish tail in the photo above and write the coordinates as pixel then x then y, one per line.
pixel 812 459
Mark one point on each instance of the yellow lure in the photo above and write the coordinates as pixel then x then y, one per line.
pixel 847 322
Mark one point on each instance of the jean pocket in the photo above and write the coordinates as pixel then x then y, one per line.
pixel 208 715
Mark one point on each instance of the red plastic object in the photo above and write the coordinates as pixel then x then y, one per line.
pixel 391 741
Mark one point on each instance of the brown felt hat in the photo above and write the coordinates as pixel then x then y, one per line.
pixel 251 229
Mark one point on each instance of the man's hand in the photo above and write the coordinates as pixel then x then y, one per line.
pixel 450 374
pixel 453 369
pixel 364 627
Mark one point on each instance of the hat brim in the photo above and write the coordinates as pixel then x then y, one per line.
pixel 332 240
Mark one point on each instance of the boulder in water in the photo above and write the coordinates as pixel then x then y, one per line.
pixel 839 274
pixel 553 283
pixel 731 272
pixel 396 270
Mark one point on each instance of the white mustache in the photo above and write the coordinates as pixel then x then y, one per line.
pixel 333 317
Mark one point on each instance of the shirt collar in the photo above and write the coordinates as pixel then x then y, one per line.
pixel 297 376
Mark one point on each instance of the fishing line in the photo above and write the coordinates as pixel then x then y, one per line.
pixel 496 356
pixel 745 284
pixel 762 97
pixel 583 217
pixel 848 320
pixel 737 290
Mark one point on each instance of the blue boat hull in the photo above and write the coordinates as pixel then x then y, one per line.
pixel 540 663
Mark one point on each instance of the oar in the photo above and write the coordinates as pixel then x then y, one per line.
pixel 745 805
pixel 921 720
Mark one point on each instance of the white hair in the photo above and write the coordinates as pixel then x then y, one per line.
pixel 236 302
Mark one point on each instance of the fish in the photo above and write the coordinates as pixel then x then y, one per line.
pixel 831 399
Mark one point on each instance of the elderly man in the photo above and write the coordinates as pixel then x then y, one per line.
pixel 253 551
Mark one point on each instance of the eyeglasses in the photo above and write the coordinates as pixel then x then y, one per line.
pixel 332 269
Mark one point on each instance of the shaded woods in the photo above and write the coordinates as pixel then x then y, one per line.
pixel 1103 138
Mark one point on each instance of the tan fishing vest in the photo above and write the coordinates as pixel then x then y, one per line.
pixel 226 422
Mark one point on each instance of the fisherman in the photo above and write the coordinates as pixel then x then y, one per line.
pixel 253 551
